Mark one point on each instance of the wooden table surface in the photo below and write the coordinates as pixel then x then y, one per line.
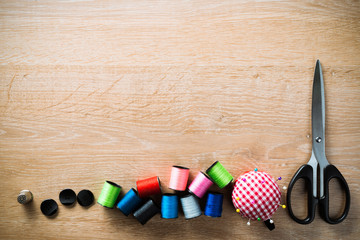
pixel 122 90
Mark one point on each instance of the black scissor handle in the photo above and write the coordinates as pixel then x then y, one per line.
pixel 305 172
pixel 332 172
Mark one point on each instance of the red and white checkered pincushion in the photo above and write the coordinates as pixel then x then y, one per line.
pixel 256 194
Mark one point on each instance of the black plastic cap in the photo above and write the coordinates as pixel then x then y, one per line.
pixel 85 198
pixel 49 207
pixel 67 197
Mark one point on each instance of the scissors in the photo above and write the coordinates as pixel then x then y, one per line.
pixel 309 171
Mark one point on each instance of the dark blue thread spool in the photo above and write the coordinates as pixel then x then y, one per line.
pixel 169 206
pixel 213 207
pixel 129 202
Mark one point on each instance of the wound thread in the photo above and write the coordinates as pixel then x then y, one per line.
pixel 190 206
pixel 149 186
pixel 109 194
pixel 213 207
pixel 129 202
pixel 200 185
pixel 169 206
pixel 219 174
pixel 146 211
pixel 179 178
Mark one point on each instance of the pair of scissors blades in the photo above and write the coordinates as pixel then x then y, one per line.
pixel 318 163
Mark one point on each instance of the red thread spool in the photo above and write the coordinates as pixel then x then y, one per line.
pixel 148 186
pixel 179 178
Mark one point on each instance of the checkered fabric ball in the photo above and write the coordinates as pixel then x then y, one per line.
pixel 256 194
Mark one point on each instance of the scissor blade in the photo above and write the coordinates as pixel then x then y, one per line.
pixel 318 114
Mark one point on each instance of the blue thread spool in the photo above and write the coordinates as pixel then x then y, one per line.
pixel 129 202
pixel 213 207
pixel 169 206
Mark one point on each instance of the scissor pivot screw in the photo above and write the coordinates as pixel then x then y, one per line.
pixel 318 139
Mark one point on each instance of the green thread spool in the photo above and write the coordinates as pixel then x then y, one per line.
pixel 109 194
pixel 219 174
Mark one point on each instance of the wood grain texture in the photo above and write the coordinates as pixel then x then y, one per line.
pixel 118 90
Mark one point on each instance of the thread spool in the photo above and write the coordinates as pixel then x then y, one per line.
pixel 219 174
pixel 146 211
pixel 190 206
pixel 179 178
pixel 129 202
pixel 213 207
pixel 24 197
pixel 169 206
pixel 200 185
pixel 109 194
pixel 149 186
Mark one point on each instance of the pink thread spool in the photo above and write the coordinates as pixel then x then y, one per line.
pixel 200 185
pixel 179 178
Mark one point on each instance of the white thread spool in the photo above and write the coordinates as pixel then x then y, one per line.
pixel 24 197
pixel 191 207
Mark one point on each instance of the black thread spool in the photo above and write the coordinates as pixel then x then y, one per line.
pixel 146 211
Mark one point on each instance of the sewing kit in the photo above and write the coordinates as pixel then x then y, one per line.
pixel 256 195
